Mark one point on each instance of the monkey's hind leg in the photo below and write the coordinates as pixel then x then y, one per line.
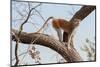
pixel 70 40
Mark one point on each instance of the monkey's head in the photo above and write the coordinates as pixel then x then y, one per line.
pixel 76 22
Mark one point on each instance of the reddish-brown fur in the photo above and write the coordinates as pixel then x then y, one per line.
pixel 63 24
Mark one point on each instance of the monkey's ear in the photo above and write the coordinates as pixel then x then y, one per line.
pixel 59 33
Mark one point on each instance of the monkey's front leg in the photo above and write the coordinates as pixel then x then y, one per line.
pixel 59 33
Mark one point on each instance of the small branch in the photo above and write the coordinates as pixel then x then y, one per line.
pixel 29 6
pixel 19 12
pixel 16 52
pixel 20 55
pixel 21 27
pixel 40 14
pixel 19 33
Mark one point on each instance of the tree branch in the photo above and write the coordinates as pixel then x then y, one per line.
pixel 81 14
pixel 19 33
pixel 70 55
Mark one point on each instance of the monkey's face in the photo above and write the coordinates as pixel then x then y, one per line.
pixel 76 22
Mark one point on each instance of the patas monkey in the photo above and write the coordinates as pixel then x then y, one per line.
pixel 65 25
pixel 62 24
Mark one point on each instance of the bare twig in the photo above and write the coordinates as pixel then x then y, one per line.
pixel 20 30
pixel 21 27
pixel 16 52
pixel 29 6
pixel 20 55
pixel 40 14
pixel 16 49
pixel 19 11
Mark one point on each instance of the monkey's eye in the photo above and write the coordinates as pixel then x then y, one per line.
pixel 77 20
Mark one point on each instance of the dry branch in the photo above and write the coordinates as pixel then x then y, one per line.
pixel 81 14
pixel 70 55
pixel 19 33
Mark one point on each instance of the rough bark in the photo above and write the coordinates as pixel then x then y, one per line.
pixel 70 55
pixel 81 14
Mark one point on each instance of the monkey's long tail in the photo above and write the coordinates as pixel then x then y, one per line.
pixel 45 24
